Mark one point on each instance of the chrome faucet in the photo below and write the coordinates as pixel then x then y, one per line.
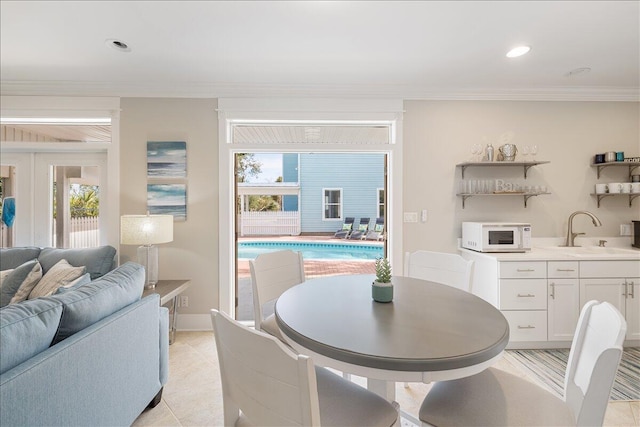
pixel 571 236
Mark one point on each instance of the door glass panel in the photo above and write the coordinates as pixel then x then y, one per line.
pixel 76 206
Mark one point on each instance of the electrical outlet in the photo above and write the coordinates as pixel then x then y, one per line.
pixel 184 301
pixel 625 229
pixel 411 217
pixel 423 215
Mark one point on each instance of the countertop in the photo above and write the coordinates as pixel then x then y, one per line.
pixel 549 249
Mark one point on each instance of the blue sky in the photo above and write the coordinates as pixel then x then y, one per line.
pixel 271 167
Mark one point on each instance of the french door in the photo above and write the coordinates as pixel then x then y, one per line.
pixel 43 185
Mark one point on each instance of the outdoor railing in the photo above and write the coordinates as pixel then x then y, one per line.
pixel 283 223
pixel 84 232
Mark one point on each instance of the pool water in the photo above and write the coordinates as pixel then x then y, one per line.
pixel 329 251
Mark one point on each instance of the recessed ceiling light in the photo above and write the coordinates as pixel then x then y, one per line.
pixel 518 51
pixel 581 70
pixel 118 45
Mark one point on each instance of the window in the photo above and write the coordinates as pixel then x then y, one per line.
pixel 332 203
pixel 380 202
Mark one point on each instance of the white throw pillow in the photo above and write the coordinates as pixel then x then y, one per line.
pixel 28 284
pixel 59 275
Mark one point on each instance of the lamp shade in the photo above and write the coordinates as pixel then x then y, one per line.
pixel 146 229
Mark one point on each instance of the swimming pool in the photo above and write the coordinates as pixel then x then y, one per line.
pixel 313 250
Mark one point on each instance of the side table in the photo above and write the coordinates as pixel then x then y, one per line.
pixel 169 291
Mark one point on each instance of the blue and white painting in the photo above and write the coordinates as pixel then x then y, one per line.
pixel 166 159
pixel 168 199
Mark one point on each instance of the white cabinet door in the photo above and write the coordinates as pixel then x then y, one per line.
pixel 611 290
pixel 563 308
pixel 633 308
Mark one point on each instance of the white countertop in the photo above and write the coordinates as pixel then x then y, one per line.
pixel 549 248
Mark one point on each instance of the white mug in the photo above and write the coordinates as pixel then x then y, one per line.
pixel 626 187
pixel 615 187
pixel 601 188
pixel 635 187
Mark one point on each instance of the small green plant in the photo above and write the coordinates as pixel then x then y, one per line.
pixel 383 270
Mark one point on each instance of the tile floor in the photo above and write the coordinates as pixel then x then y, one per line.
pixel 193 395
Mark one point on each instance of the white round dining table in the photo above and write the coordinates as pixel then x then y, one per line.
pixel 429 332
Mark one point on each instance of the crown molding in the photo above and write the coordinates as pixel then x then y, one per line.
pixel 230 90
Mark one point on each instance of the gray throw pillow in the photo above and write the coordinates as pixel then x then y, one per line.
pixel 80 281
pixel 27 274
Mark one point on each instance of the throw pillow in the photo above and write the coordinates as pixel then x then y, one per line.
pixel 18 284
pixel 60 274
pixel 80 281
pixel 346 226
pixel 363 227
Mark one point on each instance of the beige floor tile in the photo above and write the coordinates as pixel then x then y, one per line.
pixel 193 395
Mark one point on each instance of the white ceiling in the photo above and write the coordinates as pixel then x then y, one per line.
pixel 410 50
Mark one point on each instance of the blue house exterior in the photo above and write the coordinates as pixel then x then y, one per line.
pixel 334 186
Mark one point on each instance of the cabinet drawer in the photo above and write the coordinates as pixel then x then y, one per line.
pixel 523 294
pixel 609 268
pixel 562 269
pixel 527 325
pixel 523 270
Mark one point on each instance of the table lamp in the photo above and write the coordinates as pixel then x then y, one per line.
pixel 147 231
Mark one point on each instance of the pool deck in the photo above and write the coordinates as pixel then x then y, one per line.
pixel 312 268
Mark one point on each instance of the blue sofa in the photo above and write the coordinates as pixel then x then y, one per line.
pixel 94 355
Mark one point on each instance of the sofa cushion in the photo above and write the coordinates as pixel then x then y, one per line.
pixel 27 329
pixel 100 298
pixel 14 257
pixel 60 274
pixel 98 261
pixel 18 284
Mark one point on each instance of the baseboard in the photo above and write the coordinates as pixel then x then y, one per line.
pixel 194 322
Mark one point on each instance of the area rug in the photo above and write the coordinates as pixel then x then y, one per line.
pixel 548 367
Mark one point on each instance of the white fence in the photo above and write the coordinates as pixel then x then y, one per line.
pixel 85 233
pixel 284 223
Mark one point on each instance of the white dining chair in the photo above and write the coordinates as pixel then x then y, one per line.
pixel 272 273
pixel 497 398
pixel 440 267
pixel 265 383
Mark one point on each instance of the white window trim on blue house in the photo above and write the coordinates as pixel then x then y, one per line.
pixel 378 204
pixel 325 203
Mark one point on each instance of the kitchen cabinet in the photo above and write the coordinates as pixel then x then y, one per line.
pixel 600 166
pixel 525 165
pixel 563 304
pixel 617 282
pixel 522 299
pixel 541 295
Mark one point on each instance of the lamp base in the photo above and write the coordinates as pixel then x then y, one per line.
pixel 148 257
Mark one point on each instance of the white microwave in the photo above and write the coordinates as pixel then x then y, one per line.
pixel 496 236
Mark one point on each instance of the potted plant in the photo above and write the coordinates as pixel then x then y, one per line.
pixel 382 288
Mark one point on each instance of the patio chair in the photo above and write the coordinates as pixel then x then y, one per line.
pixel 378 230
pixel 362 230
pixel 346 229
